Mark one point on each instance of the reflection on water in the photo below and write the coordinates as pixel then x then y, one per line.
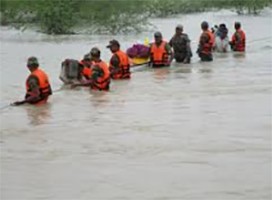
pixel 39 114
pixel 198 131
pixel 99 99
pixel 161 73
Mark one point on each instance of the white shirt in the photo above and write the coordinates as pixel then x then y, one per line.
pixel 221 44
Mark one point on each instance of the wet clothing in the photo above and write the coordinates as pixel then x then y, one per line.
pixel 159 55
pixel 221 44
pixel 238 41
pixel 38 80
pixel 120 66
pixel 206 43
pixel 86 70
pixel 100 76
pixel 182 48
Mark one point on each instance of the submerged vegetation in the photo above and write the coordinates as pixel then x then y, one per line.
pixel 110 16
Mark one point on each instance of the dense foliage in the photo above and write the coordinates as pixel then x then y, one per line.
pixel 110 16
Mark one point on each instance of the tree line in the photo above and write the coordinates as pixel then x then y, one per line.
pixel 109 16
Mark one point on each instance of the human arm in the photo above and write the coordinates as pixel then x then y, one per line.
pixel 115 61
pixel 169 51
pixel 188 49
pixel 33 94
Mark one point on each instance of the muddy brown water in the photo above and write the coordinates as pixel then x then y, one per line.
pixel 198 131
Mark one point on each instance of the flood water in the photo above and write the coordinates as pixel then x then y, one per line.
pixel 198 131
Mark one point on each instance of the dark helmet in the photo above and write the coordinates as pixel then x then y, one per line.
pixel 237 25
pixel 157 34
pixel 179 27
pixel 222 26
pixel 204 25
pixel 95 52
pixel 113 43
pixel 32 61
pixel 86 57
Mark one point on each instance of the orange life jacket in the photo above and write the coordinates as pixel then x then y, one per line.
pixel 102 83
pixel 206 47
pixel 44 85
pixel 159 55
pixel 86 71
pixel 238 40
pixel 124 67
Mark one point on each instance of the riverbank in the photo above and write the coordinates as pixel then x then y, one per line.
pixel 112 17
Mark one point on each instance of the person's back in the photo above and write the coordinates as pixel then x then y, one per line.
pixel 39 78
pixel 238 40
pixel 206 43
pixel 100 76
pixel 181 46
pixel 38 87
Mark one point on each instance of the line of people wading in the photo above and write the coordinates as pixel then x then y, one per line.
pixel 93 72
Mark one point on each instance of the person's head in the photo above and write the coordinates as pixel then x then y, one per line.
pixel 204 25
pixel 86 61
pixel 95 54
pixel 32 63
pixel 158 37
pixel 222 26
pixel 179 29
pixel 114 46
pixel 237 25
pixel 87 57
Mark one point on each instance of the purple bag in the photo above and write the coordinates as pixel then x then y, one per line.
pixel 138 50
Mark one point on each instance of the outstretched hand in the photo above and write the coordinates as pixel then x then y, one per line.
pixel 17 103
pixel 73 85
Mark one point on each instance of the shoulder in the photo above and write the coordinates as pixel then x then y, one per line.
pixel 115 58
pixel 185 36
pixel 32 78
pixel 33 81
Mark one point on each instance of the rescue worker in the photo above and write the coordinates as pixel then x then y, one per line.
pixel 100 76
pixel 119 62
pixel 238 40
pixel 160 52
pixel 86 65
pixel 222 39
pixel 206 43
pixel 38 88
pixel 181 45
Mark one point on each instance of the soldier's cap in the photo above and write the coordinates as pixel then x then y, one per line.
pixel 32 61
pixel 157 34
pixel 179 27
pixel 113 43
pixel 86 57
pixel 95 51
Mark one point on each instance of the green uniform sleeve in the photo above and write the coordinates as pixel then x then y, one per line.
pixel 33 83
pixel 96 73
pixel 115 61
pixel 168 49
